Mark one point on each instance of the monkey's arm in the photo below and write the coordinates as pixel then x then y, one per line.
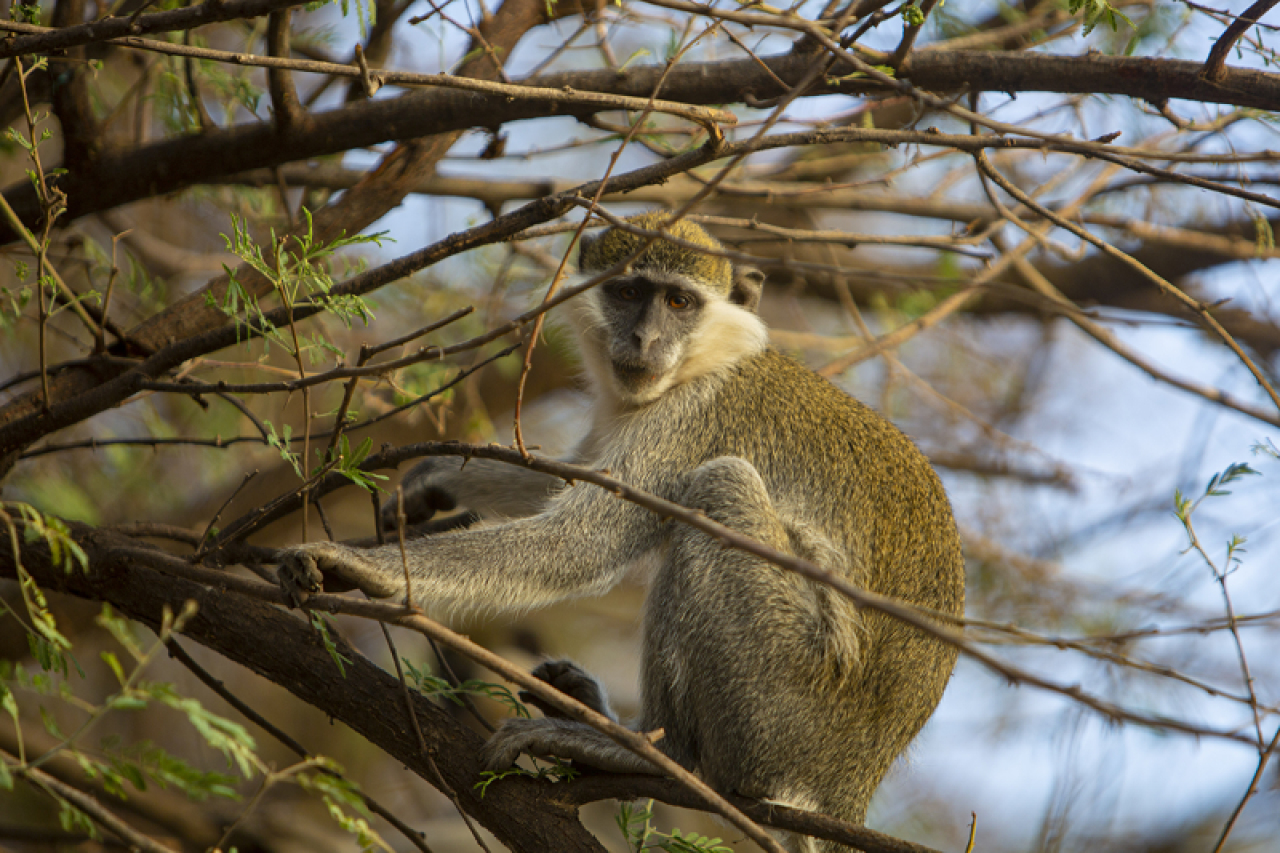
pixel 580 545
pixel 489 488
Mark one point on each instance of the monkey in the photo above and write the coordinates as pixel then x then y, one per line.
pixel 765 683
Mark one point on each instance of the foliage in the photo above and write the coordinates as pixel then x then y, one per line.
pixel 297 269
pixel 433 685
pixel 122 768
pixel 636 825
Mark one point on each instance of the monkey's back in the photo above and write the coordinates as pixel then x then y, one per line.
pixel 832 463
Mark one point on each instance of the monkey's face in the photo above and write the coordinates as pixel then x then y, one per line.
pixel 648 321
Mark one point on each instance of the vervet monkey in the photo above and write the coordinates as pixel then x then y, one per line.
pixel 767 684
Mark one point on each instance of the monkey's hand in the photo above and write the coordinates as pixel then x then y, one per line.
pixel 304 570
pixel 428 489
pixel 560 737
pixel 569 678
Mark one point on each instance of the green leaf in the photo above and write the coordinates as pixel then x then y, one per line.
pixel 112 661
pixel 1230 474
pixel 1264 237
pixel 322 625
pixel 50 724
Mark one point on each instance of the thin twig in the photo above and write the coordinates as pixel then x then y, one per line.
pixel 1197 307
pixel 85 803
pixel 1249 792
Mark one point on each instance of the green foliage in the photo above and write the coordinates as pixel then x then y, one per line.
pixel 636 824
pixel 13 301
pixel 117 767
pixel 322 626
pixel 233 89
pixel 1099 11
pixel 1266 447
pixel 857 75
pixel 476 52
pixel 124 768
pixel 172 99
pixel 422 378
pixel 1264 236
pixel 338 796
pixel 366 13
pixel 132 276
pixel 71 819
pixel 26 13
pixel 1184 506
pixel 555 771
pixel 144 762
pixel 30 144
pixel 283 442
pixel 348 464
pixel 231 739
pixel 432 685
pixel 913 15
pixel 298 269
pixel 46 641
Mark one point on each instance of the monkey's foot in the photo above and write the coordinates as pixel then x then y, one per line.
pixel 303 570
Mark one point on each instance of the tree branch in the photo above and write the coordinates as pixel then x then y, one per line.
pixel 163 167
pixel 175 20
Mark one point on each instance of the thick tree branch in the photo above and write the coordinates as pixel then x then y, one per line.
pixel 354 211
pixel 175 20
pixel 171 165
pixel 284 649
pixel 522 812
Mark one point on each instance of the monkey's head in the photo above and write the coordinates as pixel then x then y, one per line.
pixel 679 314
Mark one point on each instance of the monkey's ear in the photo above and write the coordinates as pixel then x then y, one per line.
pixel 585 242
pixel 748 282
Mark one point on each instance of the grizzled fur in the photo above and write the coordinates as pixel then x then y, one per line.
pixel 607 249
pixel 765 683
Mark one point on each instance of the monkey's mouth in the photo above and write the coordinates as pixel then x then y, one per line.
pixel 633 375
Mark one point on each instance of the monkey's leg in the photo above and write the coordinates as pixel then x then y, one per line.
pixel 737 653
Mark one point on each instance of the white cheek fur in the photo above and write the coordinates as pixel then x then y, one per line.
pixel 728 333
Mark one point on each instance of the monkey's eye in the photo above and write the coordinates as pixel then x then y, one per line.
pixel 628 293
pixel 679 301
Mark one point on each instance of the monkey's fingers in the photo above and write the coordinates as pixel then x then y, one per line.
pixel 567 677
pixel 304 569
pixel 298 575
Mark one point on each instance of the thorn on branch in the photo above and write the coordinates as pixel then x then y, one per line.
pixel 369 82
